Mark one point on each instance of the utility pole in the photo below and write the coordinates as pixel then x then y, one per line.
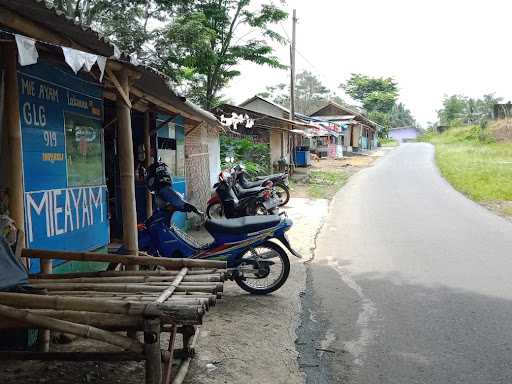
pixel 292 67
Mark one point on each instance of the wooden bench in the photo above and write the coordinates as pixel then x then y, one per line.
pixel 112 306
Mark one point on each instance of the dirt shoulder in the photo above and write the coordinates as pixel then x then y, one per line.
pixel 248 339
pixel 251 339
pixel 326 176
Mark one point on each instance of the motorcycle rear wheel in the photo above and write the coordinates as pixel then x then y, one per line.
pixel 283 192
pixel 215 211
pixel 257 285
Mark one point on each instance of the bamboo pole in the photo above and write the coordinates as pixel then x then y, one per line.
pixel 69 327
pixel 131 279
pixel 152 351
pixel 177 297
pixel 124 259
pixel 113 322
pixel 126 170
pixel 167 312
pixel 147 160
pixel 44 336
pixel 157 273
pixel 183 369
pixel 112 287
pixel 71 356
pixel 170 290
pixel 12 123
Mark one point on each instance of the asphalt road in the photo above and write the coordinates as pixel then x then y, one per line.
pixel 411 282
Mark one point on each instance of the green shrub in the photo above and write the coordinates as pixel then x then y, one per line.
pixel 255 157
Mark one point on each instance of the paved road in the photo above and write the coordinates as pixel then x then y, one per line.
pixel 411 283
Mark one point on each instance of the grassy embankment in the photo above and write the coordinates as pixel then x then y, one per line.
pixel 478 164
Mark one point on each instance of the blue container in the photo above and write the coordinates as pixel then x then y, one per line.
pixel 302 158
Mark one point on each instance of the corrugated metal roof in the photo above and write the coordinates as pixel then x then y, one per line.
pixel 54 20
pixel 152 81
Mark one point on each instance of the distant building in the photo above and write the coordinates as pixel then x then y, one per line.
pixel 360 133
pixel 403 134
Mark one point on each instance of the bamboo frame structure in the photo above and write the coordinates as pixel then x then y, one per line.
pixel 126 161
pixel 97 305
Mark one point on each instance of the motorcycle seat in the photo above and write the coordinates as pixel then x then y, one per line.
pixel 248 224
pixel 242 192
pixel 252 184
pixel 272 177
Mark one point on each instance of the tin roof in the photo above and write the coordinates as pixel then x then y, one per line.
pixel 152 81
pixel 56 21
pixel 257 97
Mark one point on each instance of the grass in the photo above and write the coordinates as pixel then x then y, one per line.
pixel 388 143
pixel 474 163
pixel 507 211
pixel 325 184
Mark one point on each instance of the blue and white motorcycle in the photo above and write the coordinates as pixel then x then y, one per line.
pixel 253 246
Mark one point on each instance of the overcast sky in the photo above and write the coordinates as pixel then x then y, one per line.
pixel 431 48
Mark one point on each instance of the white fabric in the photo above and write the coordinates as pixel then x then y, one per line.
pixel 117 52
pixel 27 51
pixel 77 59
pixel 134 59
pixel 102 62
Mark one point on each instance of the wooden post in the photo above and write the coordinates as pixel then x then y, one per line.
pixel 147 160
pixel 126 170
pixel 152 351
pixel 12 120
pixel 44 334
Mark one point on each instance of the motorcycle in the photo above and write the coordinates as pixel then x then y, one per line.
pixel 230 200
pixel 279 182
pixel 254 247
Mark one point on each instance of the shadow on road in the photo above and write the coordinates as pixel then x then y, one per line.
pixel 417 334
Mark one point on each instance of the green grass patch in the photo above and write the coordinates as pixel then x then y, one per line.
pixel 474 163
pixel 388 143
pixel 507 211
pixel 325 184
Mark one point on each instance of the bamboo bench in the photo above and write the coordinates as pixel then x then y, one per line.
pixel 101 305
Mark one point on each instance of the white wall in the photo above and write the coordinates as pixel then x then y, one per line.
pixel 214 154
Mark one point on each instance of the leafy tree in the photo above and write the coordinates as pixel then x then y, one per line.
pixel 375 94
pixel 458 109
pixel 125 22
pixel 203 44
pixel 310 94
pixel 400 116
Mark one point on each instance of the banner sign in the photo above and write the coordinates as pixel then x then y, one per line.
pixel 66 203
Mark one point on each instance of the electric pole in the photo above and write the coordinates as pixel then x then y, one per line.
pixel 292 67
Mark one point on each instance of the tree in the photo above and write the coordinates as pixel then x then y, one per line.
pixel 125 22
pixel 310 94
pixel 203 44
pixel 375 94
pixel 458 109
pixel 400 116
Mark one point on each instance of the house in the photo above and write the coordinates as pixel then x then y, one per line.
pixel 280 138
pixel 80 123
pixel 359 132
pixel 272 126
pixel 403 134
pixel 325 138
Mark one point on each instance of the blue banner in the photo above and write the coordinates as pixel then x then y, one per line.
pixel 66 199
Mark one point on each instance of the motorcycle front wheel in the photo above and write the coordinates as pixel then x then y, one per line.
pixel 264 269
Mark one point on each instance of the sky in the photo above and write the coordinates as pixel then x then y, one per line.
pixel 431 48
